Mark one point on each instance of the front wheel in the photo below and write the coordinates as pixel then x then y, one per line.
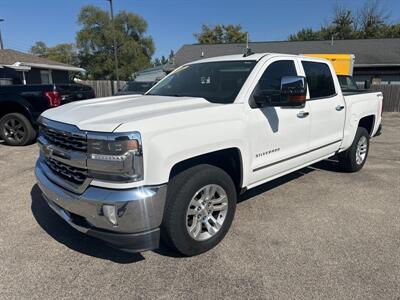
pixel 16 130
pixel 201 203
pixel 354 158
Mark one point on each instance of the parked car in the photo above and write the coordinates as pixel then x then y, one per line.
pixel 21 105
pixel 172 162
pixel 135 87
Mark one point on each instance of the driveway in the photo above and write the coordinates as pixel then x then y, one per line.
pixel 316 233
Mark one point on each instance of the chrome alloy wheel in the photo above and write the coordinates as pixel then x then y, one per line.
pixel 361 151
pixel 206 212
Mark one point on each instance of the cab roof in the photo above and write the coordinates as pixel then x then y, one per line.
pixel 252 57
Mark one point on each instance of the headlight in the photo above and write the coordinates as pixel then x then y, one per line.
pixel 115 157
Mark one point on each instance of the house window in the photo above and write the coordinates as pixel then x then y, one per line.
pixel 45 77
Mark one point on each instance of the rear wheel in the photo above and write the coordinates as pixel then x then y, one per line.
pixel 201 203
pixel 354 158
pixel 16 130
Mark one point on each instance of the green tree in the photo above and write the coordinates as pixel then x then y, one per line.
pixel 305 34
pixel 95 43
pixel 64 53
pixel 342 23
pixel 370 22
pixel 39 49
pixel 221 34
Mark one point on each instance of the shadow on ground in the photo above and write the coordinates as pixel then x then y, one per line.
pixel 329 165
pixel 73 239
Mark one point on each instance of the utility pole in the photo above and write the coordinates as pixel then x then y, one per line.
pixel 1 40
pixel 114 43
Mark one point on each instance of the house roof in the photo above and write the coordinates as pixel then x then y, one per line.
pixel 368 52
pixel 13 58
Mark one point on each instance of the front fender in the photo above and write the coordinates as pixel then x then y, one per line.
pixel 166 149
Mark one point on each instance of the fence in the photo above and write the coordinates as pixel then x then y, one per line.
pixel 391 96
pixel 104 88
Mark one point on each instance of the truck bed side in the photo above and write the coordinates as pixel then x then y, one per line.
pixel 360 105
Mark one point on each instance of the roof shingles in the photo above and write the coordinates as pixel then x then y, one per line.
pixel 367 51
pixel 9 57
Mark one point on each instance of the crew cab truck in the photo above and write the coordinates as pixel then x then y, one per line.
pixel 169 164
pixel 21 105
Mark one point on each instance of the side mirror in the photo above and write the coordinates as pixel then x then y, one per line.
pixel 293 92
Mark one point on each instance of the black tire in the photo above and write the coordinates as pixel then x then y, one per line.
pixel 181 189
pixel 16 130
pixel 348 159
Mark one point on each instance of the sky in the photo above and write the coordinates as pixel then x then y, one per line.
pixel 171 23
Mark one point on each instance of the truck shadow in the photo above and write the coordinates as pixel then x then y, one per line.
pixel 73 239
pixel 329 165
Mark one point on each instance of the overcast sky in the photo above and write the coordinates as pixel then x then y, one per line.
pixel 171 22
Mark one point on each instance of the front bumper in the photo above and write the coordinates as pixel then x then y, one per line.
pixel 139 212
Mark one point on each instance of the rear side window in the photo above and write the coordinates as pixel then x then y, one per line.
pixel 319 79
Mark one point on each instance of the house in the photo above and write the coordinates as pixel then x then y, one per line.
pixel 377 60
pixel 18 67
pixel 150 74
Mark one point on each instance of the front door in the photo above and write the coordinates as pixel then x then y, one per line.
pixel 279 134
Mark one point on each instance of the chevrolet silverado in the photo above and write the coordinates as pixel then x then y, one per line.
pixel 169 165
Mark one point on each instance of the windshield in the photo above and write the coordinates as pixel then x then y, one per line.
pixel 135 86
pixel 217 82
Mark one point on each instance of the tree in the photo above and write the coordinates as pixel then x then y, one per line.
pixel 306 34
pixel 342 23
pixel 64 53
pixel 95 43
pixel 39 49
pixel 372 19
pixel 160 61
pixel 221 34
pixel 370 22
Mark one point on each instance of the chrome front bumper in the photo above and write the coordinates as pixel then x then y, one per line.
pixel 139 211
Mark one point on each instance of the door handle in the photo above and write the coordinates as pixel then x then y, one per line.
pixel 339 107
pixel 303 114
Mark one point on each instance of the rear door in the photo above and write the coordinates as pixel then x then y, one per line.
pixel 327 108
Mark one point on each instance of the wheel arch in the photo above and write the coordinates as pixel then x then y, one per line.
pixel 8 107
pixel 368 123
pixel 229 160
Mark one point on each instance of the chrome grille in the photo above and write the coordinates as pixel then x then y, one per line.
pixel 65 140
pixel 76 175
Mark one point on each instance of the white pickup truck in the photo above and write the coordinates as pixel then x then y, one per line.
pixel 169 165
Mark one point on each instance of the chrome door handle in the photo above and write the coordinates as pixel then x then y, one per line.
pixel 303 114
pixel 339 107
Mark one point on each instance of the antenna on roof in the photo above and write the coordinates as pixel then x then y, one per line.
pixel 248 50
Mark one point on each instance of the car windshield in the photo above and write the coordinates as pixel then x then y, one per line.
pixel 135 86
pixel 217 82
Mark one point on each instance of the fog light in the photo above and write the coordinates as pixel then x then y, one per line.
pixel 110 213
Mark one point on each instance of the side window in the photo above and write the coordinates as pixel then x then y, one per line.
pixel 319 79
pixel 271 79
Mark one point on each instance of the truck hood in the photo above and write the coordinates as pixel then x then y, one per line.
pixel 106 114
